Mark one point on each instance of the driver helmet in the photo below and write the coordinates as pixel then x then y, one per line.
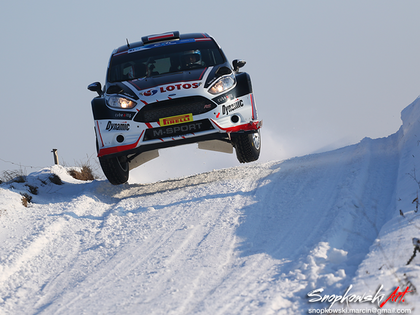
pixel 128 71
pixel 192 57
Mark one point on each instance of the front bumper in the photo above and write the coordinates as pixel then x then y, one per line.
pixel 162 121
pixel 215 132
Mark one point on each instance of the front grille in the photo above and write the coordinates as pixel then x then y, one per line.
pixel 185 105
pixel 178 129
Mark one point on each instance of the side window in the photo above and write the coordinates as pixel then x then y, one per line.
pixel 162 65
pixel 128 71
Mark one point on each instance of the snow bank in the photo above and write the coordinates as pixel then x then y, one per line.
pixel 254 239
pixel 386 263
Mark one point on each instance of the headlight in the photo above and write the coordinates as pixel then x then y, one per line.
pixel 120 102
pixel 223 84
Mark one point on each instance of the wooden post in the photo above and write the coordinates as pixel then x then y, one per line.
pixel 55 154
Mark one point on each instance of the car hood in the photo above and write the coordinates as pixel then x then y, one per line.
pixel 182 76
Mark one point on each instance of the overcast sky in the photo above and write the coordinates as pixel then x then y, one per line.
pixel 325 73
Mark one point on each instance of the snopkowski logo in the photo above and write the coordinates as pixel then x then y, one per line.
pixel 396 296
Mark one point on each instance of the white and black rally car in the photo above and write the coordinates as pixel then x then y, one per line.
pixel 167 90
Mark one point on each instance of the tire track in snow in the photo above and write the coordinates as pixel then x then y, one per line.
pixel 156 264
pixel 35 248
pixel 244 240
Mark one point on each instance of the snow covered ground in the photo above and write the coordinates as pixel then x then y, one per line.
pixel 255 239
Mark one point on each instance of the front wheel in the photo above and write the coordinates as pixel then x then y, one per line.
pixel 115 169
pixel 247 146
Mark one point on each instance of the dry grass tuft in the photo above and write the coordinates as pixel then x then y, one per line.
pixel 26 199
pixel 85 173
pixel 16 176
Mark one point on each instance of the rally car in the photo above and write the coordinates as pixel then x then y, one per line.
pixel 167 90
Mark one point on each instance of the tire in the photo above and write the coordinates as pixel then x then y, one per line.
pixel 115 169
pixel 247 146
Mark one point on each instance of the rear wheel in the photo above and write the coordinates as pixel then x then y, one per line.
pixel 247 146
pixel 115 169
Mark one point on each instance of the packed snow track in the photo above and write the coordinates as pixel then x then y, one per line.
pixel 254 239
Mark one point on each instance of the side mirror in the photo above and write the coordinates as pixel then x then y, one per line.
pixel 237 63
pixel 96 87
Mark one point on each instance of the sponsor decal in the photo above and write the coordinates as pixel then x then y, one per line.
pixel 224 98
pixel 122 115
pixel 179 86
pixel 150 46
pixel 117 126
pixel 149 92
pixel 176 130
pixel 173 120
pixel 227 109
pixel 172 87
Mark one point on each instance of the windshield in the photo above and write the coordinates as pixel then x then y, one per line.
pixel 163 58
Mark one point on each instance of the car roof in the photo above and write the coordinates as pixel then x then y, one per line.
pixel 158 38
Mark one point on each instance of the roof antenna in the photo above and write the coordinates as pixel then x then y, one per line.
pixel 128 44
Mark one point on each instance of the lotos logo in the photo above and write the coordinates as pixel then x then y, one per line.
pixel 149 92
pixel 180 86
pixel 173 120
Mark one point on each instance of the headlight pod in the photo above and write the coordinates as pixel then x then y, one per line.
pixel 120 102
pixel 222 84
